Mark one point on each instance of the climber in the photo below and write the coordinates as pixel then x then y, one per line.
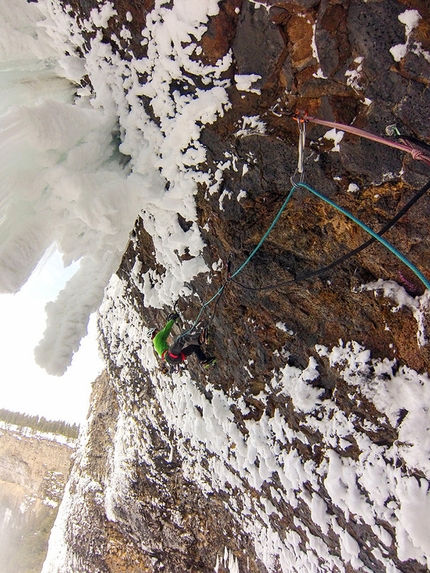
pixel 182 347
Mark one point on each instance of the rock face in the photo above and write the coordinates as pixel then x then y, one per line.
pixel 92 541
pixel 293 453
pixel 34 469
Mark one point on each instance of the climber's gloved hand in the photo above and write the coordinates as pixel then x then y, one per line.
pixel 173 316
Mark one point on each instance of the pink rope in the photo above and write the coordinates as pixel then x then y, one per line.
pixel 416 153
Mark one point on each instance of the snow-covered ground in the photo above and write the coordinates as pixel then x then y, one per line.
pixel 30 433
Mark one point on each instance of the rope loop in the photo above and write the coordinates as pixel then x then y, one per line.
pixel 418 154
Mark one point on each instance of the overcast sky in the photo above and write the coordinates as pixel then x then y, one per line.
pixel 24 386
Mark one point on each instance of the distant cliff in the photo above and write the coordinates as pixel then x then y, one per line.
pixel 34 469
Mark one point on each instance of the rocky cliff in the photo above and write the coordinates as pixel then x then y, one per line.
pixel 306 447
pixel 34 468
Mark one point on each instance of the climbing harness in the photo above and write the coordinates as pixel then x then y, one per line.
pixel 409 145
pixel 173 358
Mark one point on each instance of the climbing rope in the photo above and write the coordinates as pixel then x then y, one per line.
pixel 392 131
pixel 375 237
pixel 206 304
pixel 417 154
pixel 301 118
pixel 379 238
pixel 348 255
pixel 266 234
pixel 242 266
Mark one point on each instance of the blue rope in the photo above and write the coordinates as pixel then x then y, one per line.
pixel 243 265
pixel 386 244
pixel 207 303
pixel 266 234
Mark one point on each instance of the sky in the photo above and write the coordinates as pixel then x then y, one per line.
pixel 25 386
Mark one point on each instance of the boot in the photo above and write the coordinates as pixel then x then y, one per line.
pixel 209 362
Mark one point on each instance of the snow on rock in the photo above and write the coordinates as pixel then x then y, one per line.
pixel 88 194
pixel 397 293
pixel 410 19
pixel 336 136
pixel 244 82
pixel 393 391
pixel 298 451
pixel 348 481
pixel 263 465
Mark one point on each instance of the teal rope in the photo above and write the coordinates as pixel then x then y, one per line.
pixel 266 234
pixel 243 265
pixel 379 238
pixel 207 303
pixel 386 244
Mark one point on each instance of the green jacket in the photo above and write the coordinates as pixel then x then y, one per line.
pixel 160 339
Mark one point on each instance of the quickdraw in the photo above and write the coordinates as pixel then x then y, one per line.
pixel 407 146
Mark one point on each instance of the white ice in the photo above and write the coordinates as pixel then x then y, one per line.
pixel 79 166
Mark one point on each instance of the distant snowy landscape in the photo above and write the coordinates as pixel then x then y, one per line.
pixel 78 165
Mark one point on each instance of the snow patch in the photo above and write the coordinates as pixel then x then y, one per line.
pixel 419 306
pixel 336 136
pixel 411 19
pixel 244 83
pixel 353 76
pixel 251 126
pixel 353 188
